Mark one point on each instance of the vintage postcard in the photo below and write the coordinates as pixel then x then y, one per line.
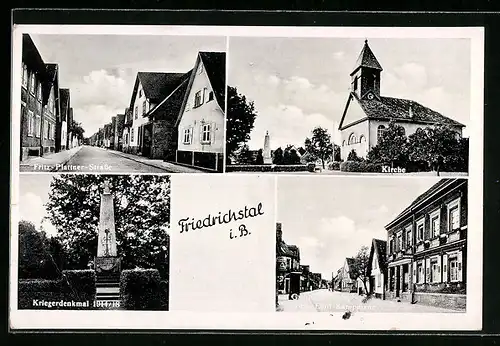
pixel 120 104
pixel 350 170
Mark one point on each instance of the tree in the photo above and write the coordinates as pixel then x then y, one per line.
pixel 278 156
pixel 436 145
pixel 353 156
pixel 393 144
pixel 359 268
pixel 142 215
pixel 290 156
pixel 77 129
pixel 240 120
pixel 35 253
pixel 320 145
pixel 336 153
pixel 244 155
pixel 260 158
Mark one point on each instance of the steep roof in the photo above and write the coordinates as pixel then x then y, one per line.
pixel 441 183
pixel 350 264
pixel 171 105
pixel 379 247
pixel 64 103
pixel 50 81
pixel 215 65
pixel 391 108
pixel 366 59
pixel 31 56
pixel 157 85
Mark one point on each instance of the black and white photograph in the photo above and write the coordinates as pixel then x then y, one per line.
pixel 93 242
pixel 366 245
pixel 330 105
pixel 122 103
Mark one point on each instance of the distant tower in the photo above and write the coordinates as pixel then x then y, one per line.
pixel 365 78
pixel 266 153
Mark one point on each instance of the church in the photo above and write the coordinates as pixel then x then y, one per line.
pixel 367 114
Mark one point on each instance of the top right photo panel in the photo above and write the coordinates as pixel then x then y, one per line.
pixel 349 106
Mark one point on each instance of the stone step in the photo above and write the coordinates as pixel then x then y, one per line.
pixel 111 289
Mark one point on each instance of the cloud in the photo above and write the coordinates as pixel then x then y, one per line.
pixel 336 238
pixel 33 210
pixel 287 124
pixel 413 72
pixel 338 55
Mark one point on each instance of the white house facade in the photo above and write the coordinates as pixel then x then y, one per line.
pixel 201 118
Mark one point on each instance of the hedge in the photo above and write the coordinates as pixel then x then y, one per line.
pixel 360 166
pixel 334 166
pixel 267 168
pixel 79 284
pixel 142 289
pixel 41 289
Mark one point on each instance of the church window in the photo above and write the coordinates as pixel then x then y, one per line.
pixel 355 83
pixel 380 132
pixel 362 139
pixel 343 143
pixel 352 138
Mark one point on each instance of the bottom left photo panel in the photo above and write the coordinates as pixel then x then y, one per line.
pixel 92 242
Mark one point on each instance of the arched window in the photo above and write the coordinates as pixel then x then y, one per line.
pixel 343 143
pixel 362 139
pixel 352 138
pixel 380 131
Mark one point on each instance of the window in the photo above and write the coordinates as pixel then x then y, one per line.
pixel 454 215
pixel 435 220
pixel 46 130
pixel 391 246
pixel 32 83
pixel 453 269
pixel 400 242
pixel 136 111
pixel 380 131
pixel 379 280
pixel 352 138
pixel 355 84
pixel 205 129
pixel 37 126
pixel 197 99
pixel 31 124
pixel 343 143
pixel 25 76
pixel 188 135
pixel 144 107
pixel 434 271
pixel 420 273
pixel 210 96
pixel 39 92
pixel 408 238
pixel 140 92
pixel 362 139
pixel 132 135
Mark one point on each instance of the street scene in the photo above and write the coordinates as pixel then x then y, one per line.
pixel 122 110
pixel 396 246
pixel 379 107
pixel 93 242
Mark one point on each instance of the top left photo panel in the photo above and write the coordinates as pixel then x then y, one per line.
pixel 116 103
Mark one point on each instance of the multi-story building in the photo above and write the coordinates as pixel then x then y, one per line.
pixel 50 103
pixel 112 134
pixel 348 282
pixel 118 142
pixel 65 101
pixel 201 119
pixel 34 74
pixel 427 247
pixel 127 124
pixel 287 262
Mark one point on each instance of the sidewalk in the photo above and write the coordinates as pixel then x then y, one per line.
pixel 170 167
pixel 49 162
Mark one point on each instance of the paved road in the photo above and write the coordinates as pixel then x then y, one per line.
pixel 92 159
pixel 327 301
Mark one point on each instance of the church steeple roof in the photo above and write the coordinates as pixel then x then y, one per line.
pixel 366 59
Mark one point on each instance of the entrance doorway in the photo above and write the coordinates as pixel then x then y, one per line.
pixel 147 138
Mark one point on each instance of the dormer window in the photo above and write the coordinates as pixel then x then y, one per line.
pixel 198 99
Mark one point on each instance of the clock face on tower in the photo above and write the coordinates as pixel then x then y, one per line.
pixel 370 96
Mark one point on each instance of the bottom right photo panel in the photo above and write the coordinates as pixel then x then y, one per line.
pixel 352 244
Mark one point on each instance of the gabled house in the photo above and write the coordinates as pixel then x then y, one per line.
pixel 118 141
pixel 367 113
pixel 127 125
pixel 287 262
pixel 377 268
pixel 50 102
pixel 34 74
pixel 201 119
pixel 65 101
pixel 150 89
pixel 112 133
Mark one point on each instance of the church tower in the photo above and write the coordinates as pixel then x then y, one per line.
pixel 365 78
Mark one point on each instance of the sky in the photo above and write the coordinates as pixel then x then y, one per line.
pixel 300 83
pixel 100 70
pixel 331 219
pixel 33 194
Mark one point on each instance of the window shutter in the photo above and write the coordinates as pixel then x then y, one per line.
pixel 459 264
pixel 212 132
pixel 440 278
pixel 445 268
pixel 427 269
pixel 414 280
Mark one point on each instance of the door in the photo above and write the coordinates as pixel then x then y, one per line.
pixel 372 284
pixel 398 280
pixel 147 139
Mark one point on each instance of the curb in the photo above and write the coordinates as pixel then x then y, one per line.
pixel 67 160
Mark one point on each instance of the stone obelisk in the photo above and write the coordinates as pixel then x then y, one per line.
pixel 266 153
pixel 107 262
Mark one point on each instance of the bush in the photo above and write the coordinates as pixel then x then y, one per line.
pixel 79 284
pixel 141 289
pixel 266 168
pixel 360 166
pixel 334 166
pixel 31 289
